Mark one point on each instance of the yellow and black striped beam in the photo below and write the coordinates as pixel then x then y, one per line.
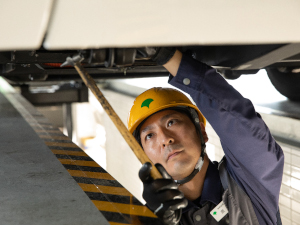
pixel 116 204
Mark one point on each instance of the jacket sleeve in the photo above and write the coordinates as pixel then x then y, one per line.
pixel 254 159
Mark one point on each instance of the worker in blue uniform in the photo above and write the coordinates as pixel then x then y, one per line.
pixel 241 189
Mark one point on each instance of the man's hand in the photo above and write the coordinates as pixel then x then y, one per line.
pixel 159 55
pixel 162 195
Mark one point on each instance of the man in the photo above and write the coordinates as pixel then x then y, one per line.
pixel 244 188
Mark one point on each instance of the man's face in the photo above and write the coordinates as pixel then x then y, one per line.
pixel 170 138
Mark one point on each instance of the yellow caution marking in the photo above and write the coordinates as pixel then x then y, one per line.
pixel 104 189
pixel 78 162
pixel 63 152
pixel 69 145
pixel 136 210
pixel 113 223
pixel 54 137
pixel 96 175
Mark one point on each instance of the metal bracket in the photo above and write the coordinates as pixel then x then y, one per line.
pixel 270 58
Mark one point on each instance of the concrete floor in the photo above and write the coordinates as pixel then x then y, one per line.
pixel 35 188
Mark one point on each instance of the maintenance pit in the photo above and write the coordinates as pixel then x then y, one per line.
pixel 47 179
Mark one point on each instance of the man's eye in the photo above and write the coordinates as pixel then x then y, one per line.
pixel 148 136
pixel 171 122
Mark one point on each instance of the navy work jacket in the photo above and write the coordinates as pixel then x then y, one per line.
pixel 254 159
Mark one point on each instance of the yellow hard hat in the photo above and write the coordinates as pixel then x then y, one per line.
pixel 154 100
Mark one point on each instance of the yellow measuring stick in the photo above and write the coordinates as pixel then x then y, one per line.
pixel 133 144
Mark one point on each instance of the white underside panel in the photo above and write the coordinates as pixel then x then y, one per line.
pixel 115 23
pixel 78 24
pixel 23 23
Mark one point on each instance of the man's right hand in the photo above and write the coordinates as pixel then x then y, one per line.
pixel 162 195
pixel 159 55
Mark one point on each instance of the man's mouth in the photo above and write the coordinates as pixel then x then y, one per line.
pixel 173 154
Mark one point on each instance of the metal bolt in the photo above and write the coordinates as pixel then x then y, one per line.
pixel 30 77
pixel 36 55
pixel 186 81
pixel 198 218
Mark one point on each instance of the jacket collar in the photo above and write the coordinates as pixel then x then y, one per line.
pixel 212 188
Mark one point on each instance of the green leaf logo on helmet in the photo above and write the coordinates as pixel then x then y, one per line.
pixel 159 99
pixel 147 102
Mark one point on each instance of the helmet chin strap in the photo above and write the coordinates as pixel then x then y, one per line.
pixel 200 162
pixel 198 167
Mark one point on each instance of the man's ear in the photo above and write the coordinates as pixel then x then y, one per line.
pixel 203 132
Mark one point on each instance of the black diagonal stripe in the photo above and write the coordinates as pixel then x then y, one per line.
pixel 85 168
pixel 116 217
pixel 74 157
pixel 114 198
pixel 66 148
pixel 109 197
pixel 135 201
pixel 104 182
pixel 125 218
pixel 149 220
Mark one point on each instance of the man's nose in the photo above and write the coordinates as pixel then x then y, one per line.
pixel 166 139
